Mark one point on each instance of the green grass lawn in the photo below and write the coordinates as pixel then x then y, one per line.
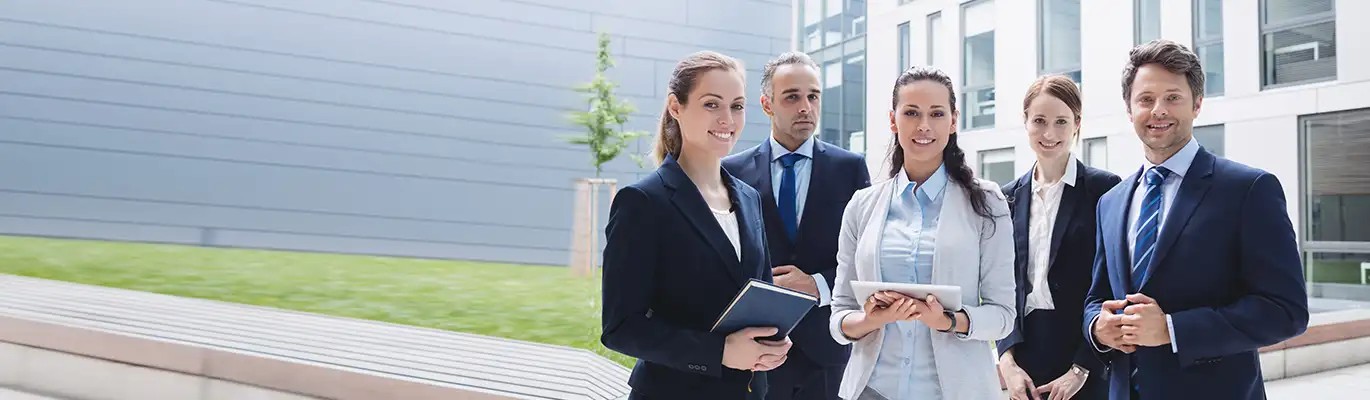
pixel 533 303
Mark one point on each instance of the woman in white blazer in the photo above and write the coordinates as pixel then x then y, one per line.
pixel 932 223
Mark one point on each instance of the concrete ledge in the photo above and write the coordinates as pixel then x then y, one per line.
pixel 87 342
pixel 1333 340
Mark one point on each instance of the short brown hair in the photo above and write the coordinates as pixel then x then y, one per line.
pixel 1174 57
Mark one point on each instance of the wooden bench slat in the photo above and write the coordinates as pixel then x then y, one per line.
pixel 230 330
pixel 450 358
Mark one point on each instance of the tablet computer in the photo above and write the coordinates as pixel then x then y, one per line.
pixel 949 296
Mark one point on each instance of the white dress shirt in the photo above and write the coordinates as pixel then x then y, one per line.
pixel 802 170
pixel 727 219
pixel 1046 204
pixel 1178 165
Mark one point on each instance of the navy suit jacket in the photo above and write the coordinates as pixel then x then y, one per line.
pixel 669 272
pixel 835 176
pixel 1048 348
pixel 1226 269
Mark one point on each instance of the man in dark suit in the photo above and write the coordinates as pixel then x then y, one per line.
pixel 1197 266
pixel 805 185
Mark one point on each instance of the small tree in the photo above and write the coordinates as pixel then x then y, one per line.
pixel 604 121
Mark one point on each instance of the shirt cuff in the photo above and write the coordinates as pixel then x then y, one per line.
pixel 824 294
pixel 970 328
pixel 1171 326
pixel 1090 337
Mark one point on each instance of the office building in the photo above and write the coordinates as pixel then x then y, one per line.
pixel 398 127
pixel 1285 92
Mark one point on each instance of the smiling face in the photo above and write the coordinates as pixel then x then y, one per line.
pixel 1051 126
pixel 923 120
pixel 712 114
pixel 1162 109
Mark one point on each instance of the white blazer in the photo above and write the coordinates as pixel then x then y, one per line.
pixel 971 253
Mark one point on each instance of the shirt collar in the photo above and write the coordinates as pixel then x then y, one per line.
pixel 1068 178
pixel 805 149
pixel 932 188
pixel 1178 164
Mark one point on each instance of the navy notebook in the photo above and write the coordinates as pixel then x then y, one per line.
pixel 765 305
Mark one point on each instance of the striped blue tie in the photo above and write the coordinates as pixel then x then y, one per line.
pixel 1148 224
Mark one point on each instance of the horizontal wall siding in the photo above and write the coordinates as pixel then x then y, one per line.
pixel 395 127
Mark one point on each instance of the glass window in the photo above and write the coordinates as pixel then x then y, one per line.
pixel 977 24
pixel 1096 152
pixel 855 17
pixel 934 31
pixel 812 14
pixel 997 165
pixel 903 47
pixel 1298 41
pixel 1348 272
pixel 1208 43
pixel 1060 38
pixel 1337 183
pixel 1211 138
pixel 853 92
pixel 857 142
pixel 1146 21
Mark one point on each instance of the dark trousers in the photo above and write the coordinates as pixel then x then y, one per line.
pixel 800 378
pixel 1045 356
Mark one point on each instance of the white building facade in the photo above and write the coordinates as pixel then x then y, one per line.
pixel 1288 91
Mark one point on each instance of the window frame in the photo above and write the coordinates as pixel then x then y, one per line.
pixel 981 172
pixel 966 114
pixel 905 39
pixel 1201 41
pixel 1042 70
pixel 1137 21
pixel 932 36
pixel 1265 29
pixel 1089 156
pixel 1221 129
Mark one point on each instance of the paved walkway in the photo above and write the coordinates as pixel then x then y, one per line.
pixel 6 394
pixel 1344 383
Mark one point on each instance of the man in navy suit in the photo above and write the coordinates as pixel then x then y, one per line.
pixel 805 185
pixel 1197 266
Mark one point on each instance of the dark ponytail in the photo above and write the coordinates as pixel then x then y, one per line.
pixel 952 156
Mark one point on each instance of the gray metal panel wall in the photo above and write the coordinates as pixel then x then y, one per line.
pixel 419 128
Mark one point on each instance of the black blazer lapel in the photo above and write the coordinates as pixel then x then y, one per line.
pixel 1192 190
pixel 749 235
pixel 1022 209
pixel 1113 228
pixel 686 197
pixel 1070 197
pixel 760 178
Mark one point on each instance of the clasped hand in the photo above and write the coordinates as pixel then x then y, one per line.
pixel 884 307
pixel 1124 327
pixel 742 350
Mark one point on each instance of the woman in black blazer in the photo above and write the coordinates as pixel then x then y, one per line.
pixel 681 242
pixel 1053 209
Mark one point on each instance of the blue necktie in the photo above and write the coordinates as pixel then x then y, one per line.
pixel 789 213
pixel 1148 225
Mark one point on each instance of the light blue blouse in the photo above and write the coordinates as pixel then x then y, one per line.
pixel 904 369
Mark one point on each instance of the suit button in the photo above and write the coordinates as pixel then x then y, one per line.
pixel 703 368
